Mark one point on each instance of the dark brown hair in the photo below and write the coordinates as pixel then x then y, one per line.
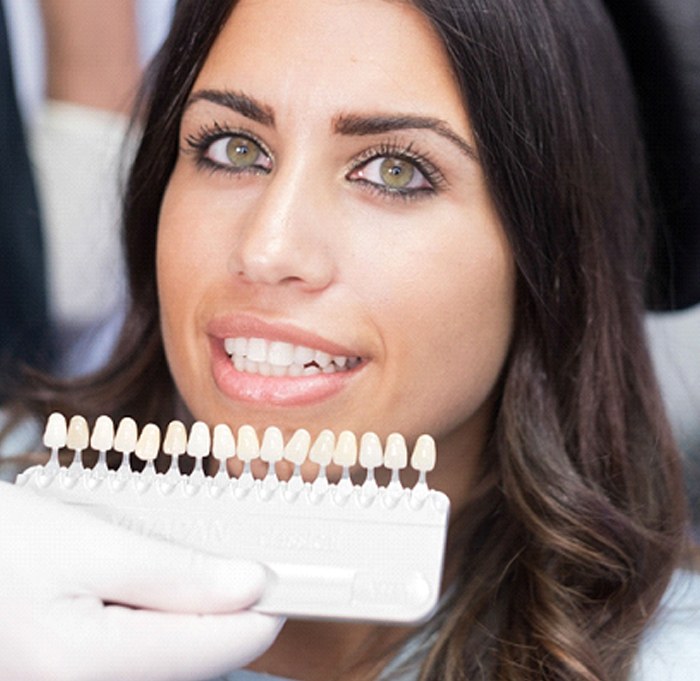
pixel 563 558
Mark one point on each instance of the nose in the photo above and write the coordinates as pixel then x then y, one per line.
pixel 283 237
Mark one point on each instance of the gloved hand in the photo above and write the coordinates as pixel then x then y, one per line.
pixel 83 599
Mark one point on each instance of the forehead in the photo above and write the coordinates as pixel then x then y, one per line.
pixel 340 54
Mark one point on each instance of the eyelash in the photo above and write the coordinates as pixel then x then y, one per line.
pixel 201 142
pixel 401 152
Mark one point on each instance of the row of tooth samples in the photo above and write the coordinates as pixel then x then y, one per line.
pixel 327 449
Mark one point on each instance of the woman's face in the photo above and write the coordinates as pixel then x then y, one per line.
pixel 328 254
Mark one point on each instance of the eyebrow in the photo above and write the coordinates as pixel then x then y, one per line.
pixel 236 101
pixel 352 124
pixel 343 124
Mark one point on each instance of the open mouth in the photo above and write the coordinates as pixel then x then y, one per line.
pixel 279 358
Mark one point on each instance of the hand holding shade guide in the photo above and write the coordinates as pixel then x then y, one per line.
pixel 339 551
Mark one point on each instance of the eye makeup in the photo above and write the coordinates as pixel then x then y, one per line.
pixel 390 169
pixel 398 158
pixel 234 151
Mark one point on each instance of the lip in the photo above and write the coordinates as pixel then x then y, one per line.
pixel 282 391
pixel 253 327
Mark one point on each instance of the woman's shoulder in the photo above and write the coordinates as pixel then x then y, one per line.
pixel 245 675
pixel 670 649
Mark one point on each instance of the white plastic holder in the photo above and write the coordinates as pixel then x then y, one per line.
pixel 376 557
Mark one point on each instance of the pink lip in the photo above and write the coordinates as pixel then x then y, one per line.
pixel 273 390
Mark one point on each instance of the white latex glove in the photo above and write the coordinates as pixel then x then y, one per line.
pixel 83 599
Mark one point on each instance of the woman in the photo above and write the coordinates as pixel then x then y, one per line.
pixel 442 205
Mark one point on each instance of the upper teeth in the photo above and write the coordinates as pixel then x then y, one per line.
pixel 258 355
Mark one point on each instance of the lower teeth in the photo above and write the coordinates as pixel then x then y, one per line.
pixel 264 369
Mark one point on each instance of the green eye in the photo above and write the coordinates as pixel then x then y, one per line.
pixel 238 153
pixel 396 173
pixel 242 152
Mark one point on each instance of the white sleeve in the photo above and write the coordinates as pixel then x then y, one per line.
pixel 76 152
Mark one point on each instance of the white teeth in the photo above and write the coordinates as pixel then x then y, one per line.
pixel 272 446
pixel 370 451
pixel 56 431
pixel 199 442
pixel 303 355
pixel 257 350
pixel 175 441
pixel 223 446
pixel 297 448
pixel 127 434
pixel 323 359
pixel 78 433
pixel 342 451
pixel 102 437
pixel 148 443
pixel 423 457
pixel 248 447
pixel 280 354
pixel 395 454
pixel 345 453
pixel 322 450
pixel 279 358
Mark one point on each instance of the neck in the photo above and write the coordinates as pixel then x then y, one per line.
pixel 320 651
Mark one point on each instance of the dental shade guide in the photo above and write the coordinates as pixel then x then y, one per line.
pixel 338 551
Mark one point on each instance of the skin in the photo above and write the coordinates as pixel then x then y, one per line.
pixel 92 52
pixel 420 287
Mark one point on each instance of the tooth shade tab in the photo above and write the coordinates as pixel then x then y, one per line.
pixel 424 454
pixel 78 435
pixel 342 450
pixel 396 452
pixel 223 446
pixel 175 441
pixel 322 449
pixel 371 451
pixel 148 443
pixel 345 453
pixel 199 442
pixel 272 447
pixel 56 431
pixel 126 436
pixel 102 437
pixel 297 448
pixel 248 445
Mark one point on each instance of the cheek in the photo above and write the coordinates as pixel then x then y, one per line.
pixel 446 319
pixel 181 267
pixel 171 269
pixel 191 245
